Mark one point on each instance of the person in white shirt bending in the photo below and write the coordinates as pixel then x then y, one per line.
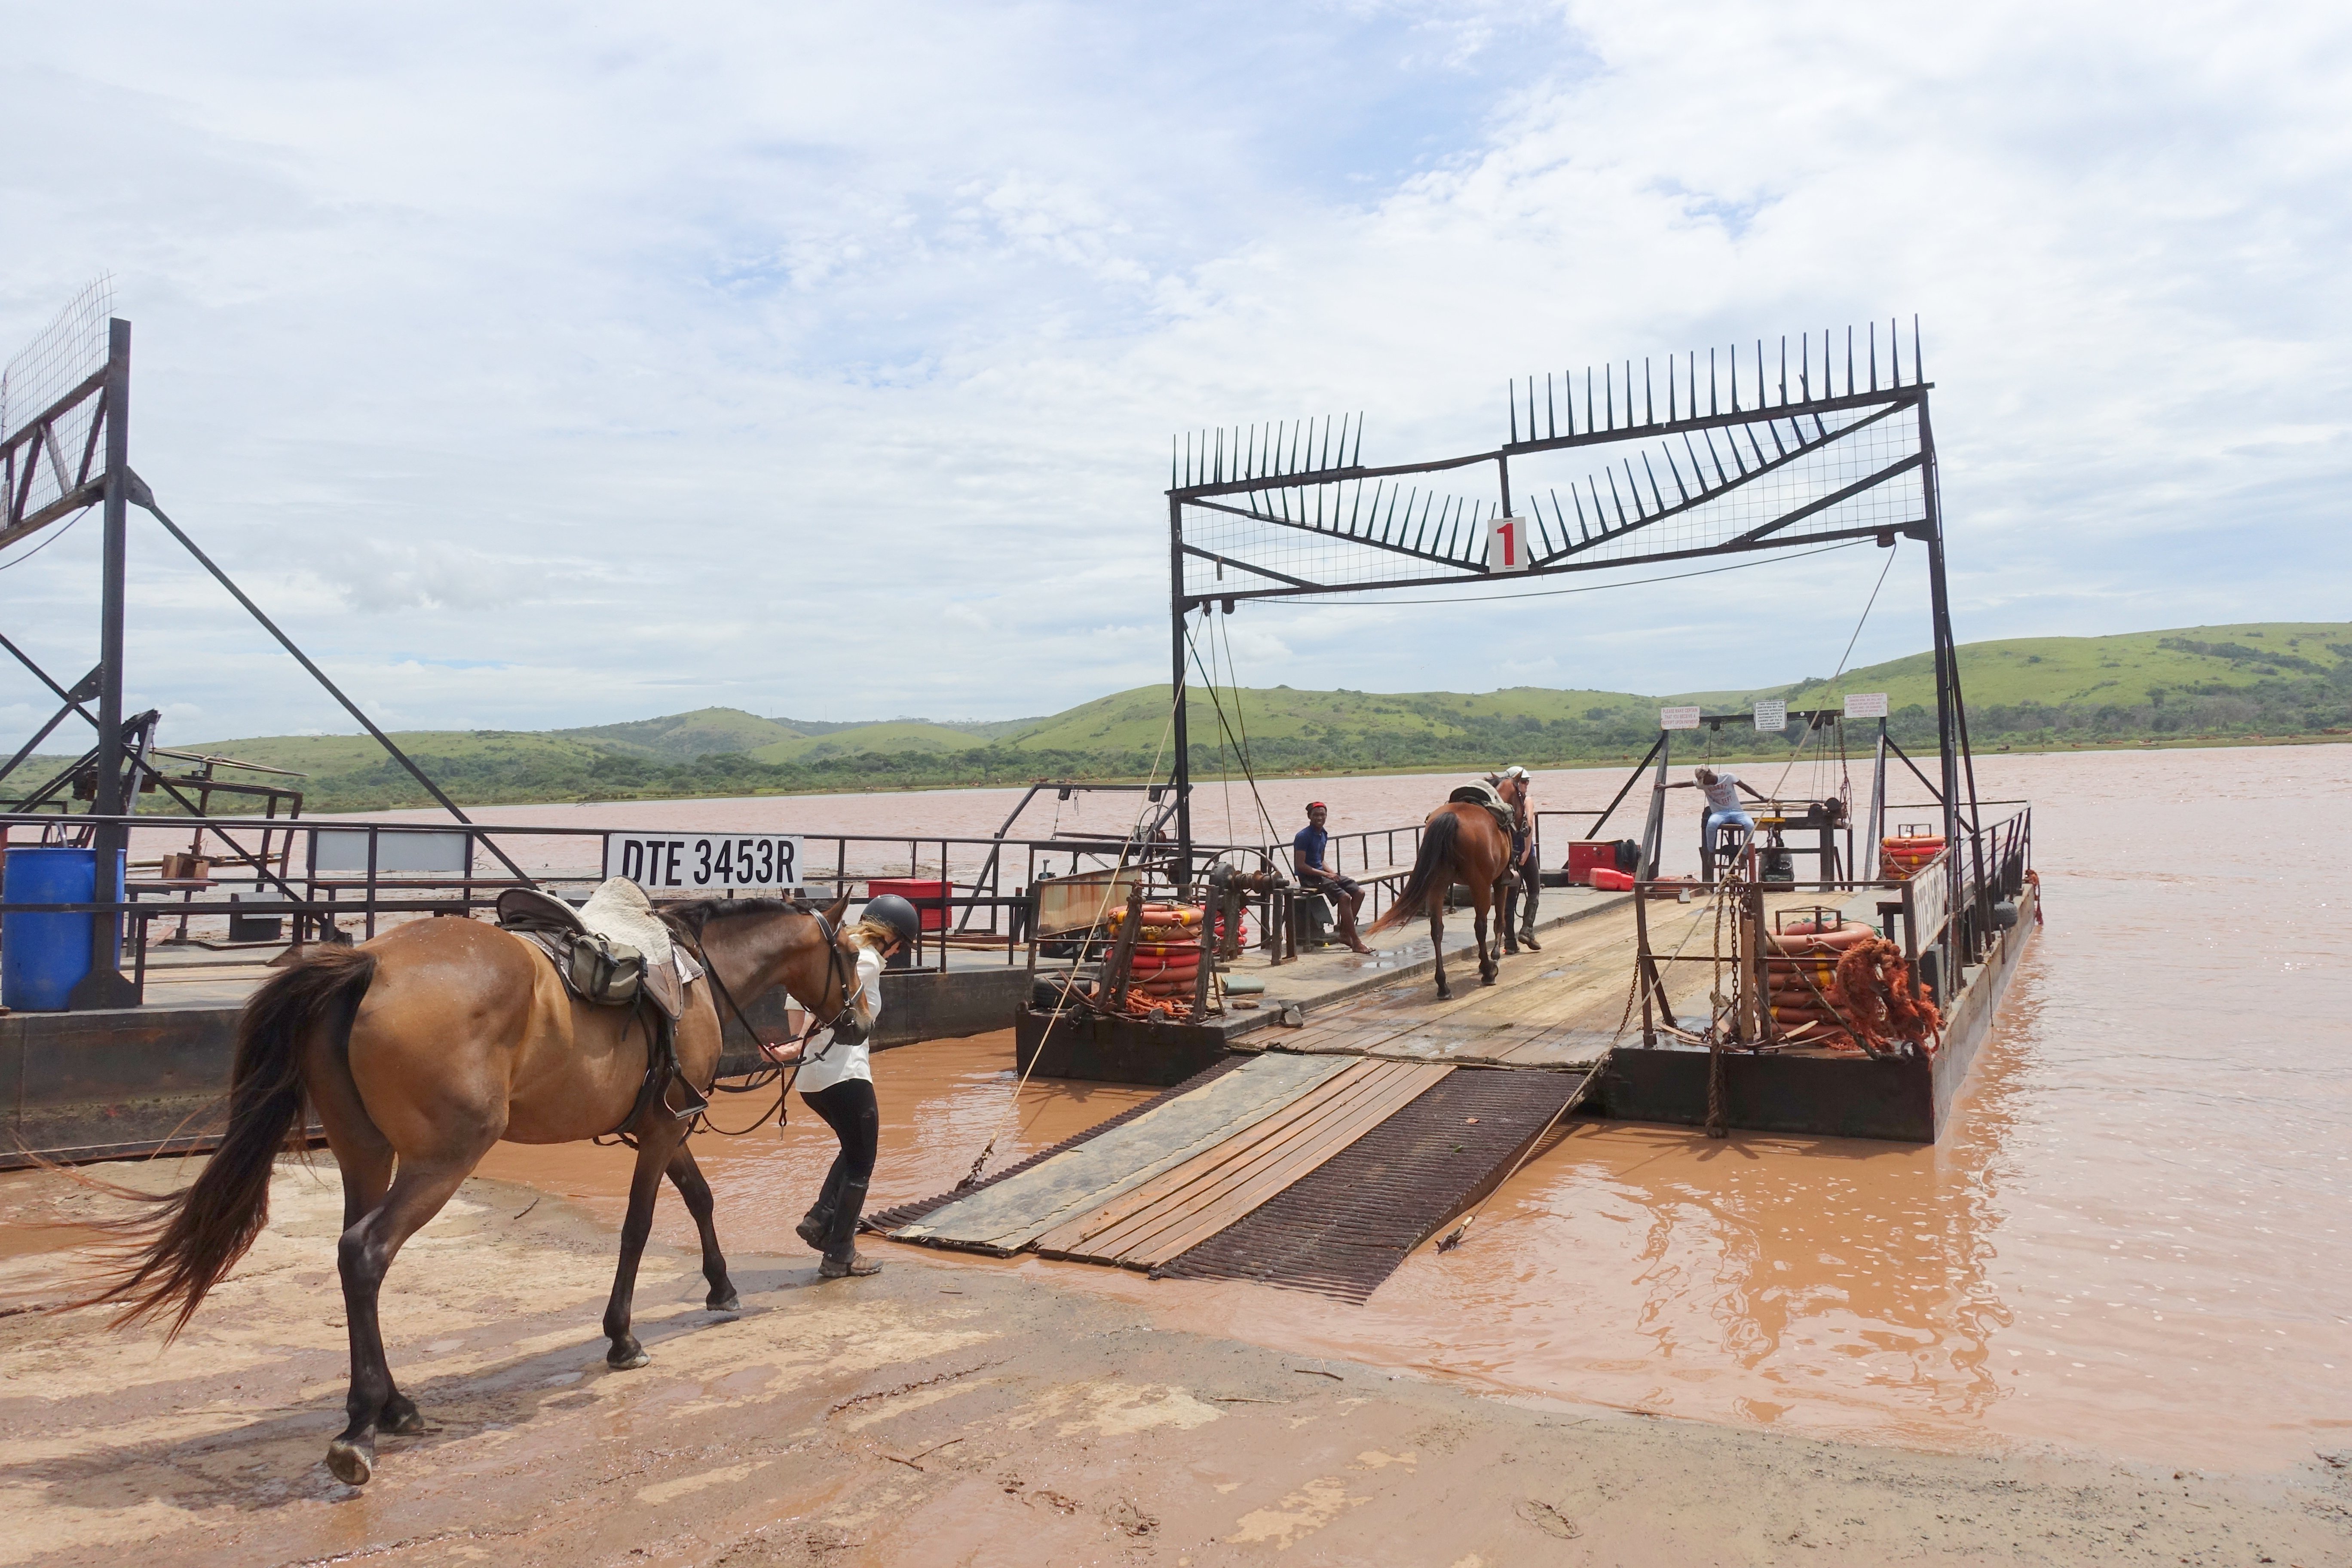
pixel 837 1083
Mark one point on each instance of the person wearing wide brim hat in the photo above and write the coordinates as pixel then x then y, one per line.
pixel 837 1081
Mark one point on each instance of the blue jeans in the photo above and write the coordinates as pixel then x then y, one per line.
pixel 1715 821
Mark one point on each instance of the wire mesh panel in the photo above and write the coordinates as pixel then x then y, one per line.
pixel 50 454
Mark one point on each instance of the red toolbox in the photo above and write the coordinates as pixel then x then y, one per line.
pixel 915 890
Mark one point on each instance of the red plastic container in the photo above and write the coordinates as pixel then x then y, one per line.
pixel 915 890
pixel 1588 855
pixel 1609 880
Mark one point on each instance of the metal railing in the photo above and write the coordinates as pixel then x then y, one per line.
pixel 323 879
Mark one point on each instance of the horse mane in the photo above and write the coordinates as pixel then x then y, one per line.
pixel 690 916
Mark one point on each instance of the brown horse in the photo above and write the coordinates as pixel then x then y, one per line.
pixel 1459 843
pixel 418 1051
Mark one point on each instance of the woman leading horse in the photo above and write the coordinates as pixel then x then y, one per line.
pixel 421 1049
pixel 1460 842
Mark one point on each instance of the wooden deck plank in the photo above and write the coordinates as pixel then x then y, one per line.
pixel 1172 1183
pixel 1008 1216
pixel 1222 1190
pixel 1245 1199
pixel 1223 1170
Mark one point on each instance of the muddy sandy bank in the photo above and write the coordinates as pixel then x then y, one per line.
pixel 934 1414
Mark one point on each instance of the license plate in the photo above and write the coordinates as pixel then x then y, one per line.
pixel 695 862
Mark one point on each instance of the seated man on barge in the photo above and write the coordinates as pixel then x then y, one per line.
pixel 1723 808
pixel 1308 851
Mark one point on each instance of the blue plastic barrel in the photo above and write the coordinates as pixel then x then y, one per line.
pixel 44 956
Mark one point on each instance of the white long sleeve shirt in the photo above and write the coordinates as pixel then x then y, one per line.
pixel 837 1060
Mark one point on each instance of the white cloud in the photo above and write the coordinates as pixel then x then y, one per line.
pixel 636 359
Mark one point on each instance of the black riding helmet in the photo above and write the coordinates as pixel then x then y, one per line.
pixel 895 912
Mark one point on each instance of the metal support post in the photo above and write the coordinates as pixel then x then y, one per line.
pixel 104 985
pixel 1183 772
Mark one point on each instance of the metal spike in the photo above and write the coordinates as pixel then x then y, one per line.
pixel 1514 401
pixel 1759 373
pixel 1583 529
pixel 1618 501
pixel 1551 411
pixel 1772 429
pixel 1754 445
pixel 1220 469
pixel 1918 366
pixel 1734 378
pixel 1670 389
pixel 1732 439
pixel 1894 349
pixel 1710 381
pixel 1649 402
pixel 1589 426
pixel 1358 460
pixel 1873 356
pixel 1357 510
pixel 1609 384
pixel 1784 370
pixel 1657 494
pixel 1675 468
pixel 1849 362
pixel 1698 474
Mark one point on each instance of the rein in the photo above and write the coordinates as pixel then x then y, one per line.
pixel 761 1077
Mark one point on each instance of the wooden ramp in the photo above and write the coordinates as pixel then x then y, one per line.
pixel 1323 1159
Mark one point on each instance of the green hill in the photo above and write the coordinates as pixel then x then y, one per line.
pixel 2133 669
pixel 2195 685
pixel 696 734
pixel 853 740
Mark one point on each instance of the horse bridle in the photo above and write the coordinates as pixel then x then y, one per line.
pixel 838 973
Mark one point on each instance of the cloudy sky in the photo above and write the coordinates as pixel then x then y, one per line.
pixel 547 364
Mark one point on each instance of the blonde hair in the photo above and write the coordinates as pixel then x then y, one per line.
pixel 872 934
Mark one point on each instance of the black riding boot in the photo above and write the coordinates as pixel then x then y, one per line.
pixel 849 1110
pixel 818 1223
pixel 1510 922
pixel 1527 915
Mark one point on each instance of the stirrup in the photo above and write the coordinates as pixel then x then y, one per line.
pixel 696 1102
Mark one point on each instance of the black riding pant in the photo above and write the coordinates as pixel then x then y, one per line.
pixel 848 1108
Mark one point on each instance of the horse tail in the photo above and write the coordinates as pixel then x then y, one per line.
pixel 198 1232
pixel 1436 858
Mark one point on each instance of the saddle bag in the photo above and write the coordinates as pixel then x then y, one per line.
pixel 601 971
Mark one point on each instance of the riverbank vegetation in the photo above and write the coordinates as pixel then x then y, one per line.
pixel 2204 686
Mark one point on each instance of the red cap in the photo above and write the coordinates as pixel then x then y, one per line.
pixel 1317 806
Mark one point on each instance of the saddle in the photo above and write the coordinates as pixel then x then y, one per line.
pixel 1478 791
pixel 614 951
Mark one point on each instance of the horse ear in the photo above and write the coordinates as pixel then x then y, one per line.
pixel 834 911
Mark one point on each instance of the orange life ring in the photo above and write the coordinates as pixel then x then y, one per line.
pixel 1804 938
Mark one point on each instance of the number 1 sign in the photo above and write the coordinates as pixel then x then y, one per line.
pixel 1507 545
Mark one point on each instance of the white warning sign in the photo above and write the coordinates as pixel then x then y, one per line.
pixel 1866 705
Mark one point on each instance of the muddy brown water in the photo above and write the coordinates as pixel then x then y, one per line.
pixel 2134 1238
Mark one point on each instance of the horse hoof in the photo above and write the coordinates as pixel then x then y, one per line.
pixel 404 1420
pixel 731 1302
pixel 352 1463
pixel 627 1361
